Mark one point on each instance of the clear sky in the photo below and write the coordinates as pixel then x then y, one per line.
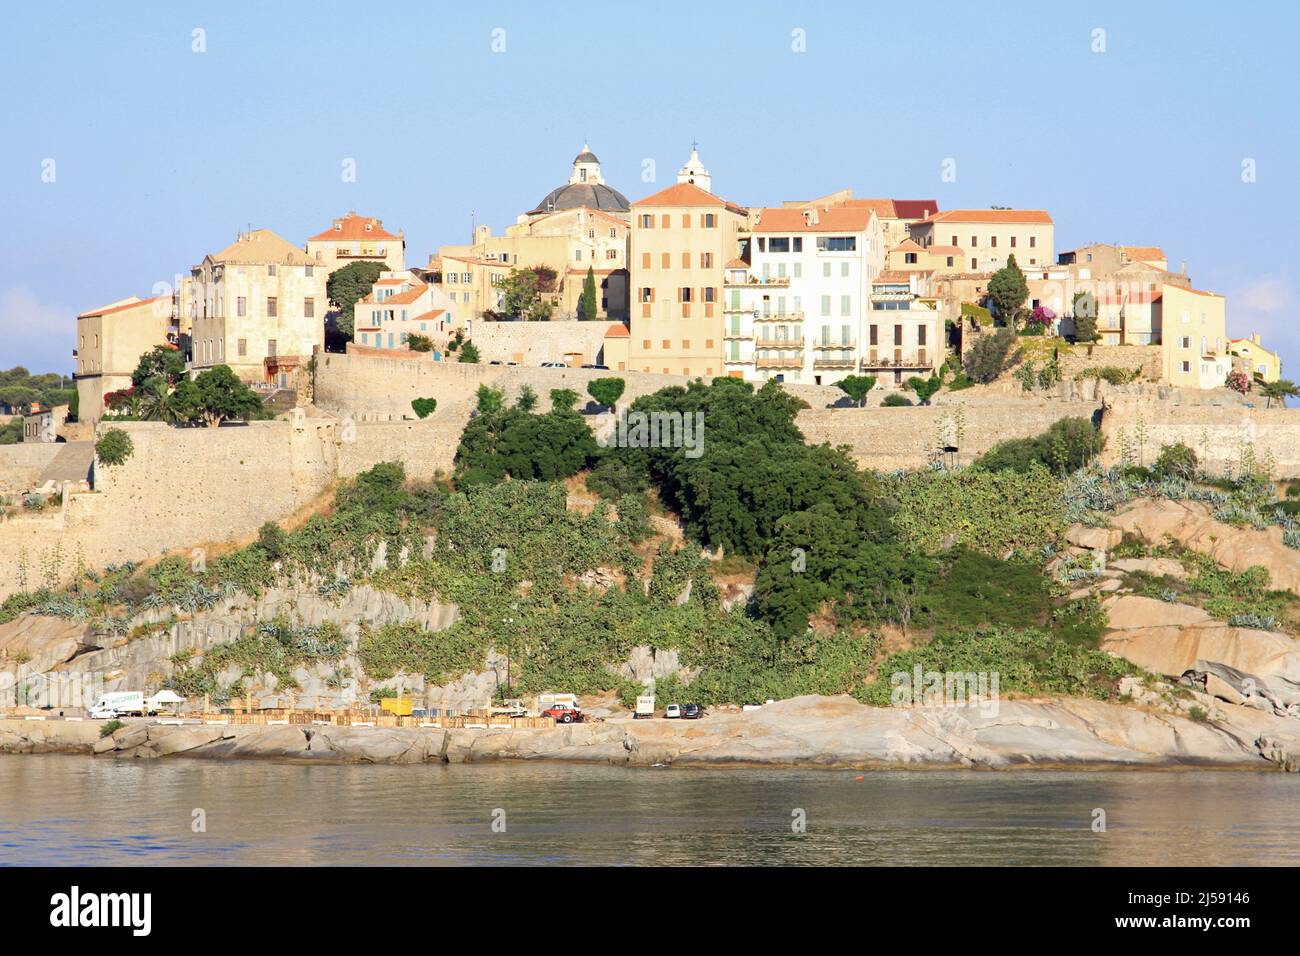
pixel 161 154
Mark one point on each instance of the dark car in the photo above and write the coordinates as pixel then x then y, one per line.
pixel 603 368
pixel 692 712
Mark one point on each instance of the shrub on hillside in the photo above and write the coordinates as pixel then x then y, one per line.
pixel 989 356
pixel 1176 461
pixel 895 401
pixel 1066 446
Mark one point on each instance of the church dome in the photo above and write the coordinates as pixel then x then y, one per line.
pixel 585 187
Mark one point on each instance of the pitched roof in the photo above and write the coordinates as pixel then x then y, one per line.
pixel 686 194
pixel 945 250
pixel 991 216
pixel 433 314
pixel 617 330
pixel 1145 253
pixel 353 226
pixel 263 247
pixel 908 245
pixel 737 263
pixel 119 306
pixel 842 218
pixel 892 276
pixel 914 208
pixel 398 298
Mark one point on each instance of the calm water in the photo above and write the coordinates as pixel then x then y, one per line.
pixel 65 810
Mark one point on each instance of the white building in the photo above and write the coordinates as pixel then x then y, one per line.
pixel 805 296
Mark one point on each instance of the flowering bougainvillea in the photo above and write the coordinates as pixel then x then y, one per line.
pixel 1044 316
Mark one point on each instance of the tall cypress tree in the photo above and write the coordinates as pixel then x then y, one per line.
pixel 587 304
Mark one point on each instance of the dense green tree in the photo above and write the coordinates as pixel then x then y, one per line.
pixel 424 407
pixel 587 305
pixel 419 343
pixel 527 400
pixel 469 353
pixel 1176 461
pixel 606 391
pixel 1008 291
pixel 221 396
pixel 564 399
pixel 1083 308
pixel 925 388
pixel 521 294
pixel 349 285
pixel 856 387
pixel 163 364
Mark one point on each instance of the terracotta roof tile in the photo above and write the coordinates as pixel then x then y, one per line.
pixel 992 216
pixel 353 226
pixel 841 218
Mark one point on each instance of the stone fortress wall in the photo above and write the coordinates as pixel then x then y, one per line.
pixel 192 487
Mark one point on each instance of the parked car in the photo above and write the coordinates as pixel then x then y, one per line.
pixel 692 712
pixel 603 368
pixel 673 711
pixel 554 365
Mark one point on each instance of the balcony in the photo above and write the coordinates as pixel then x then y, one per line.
pixel 850 344
pixel 790 360
pixel 826 361
pixel 902 361
pixel 757 281
pixel 778 317
pixel 737 335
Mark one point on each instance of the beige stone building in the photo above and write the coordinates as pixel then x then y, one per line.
pixel 581 224
pixel 1192 330
pixel 1258 360
pixel 1102 259
pixel 110 341
pixel 259 307
pixel 682 237
pixel 356 238
pixel 989 237
pixel 905 329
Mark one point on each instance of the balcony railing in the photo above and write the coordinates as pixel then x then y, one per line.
pixel 778 317
pixel 851 344
pixel 905 361
pixel 826 361
pixel 794 360
pixel 737 334
pixel 758 281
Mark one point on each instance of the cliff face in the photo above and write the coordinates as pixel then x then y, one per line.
pixel 828 732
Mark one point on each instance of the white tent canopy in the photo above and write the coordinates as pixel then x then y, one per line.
pixel 165 697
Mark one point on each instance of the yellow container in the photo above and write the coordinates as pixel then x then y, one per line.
pixel 397 706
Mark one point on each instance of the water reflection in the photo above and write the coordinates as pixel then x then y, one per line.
pixel 61 810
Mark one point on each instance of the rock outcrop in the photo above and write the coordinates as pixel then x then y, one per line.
pixel 801 732
pixel 1192 525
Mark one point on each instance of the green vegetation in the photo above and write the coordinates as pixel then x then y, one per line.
pixel 1176 461
pixel 469 353
pixel 1112 374
pixel 1065 447
pixel 895 400
pixel 589 303
pixel 19 388
pixel 502 442
pixel 989 356
pixel 114 447
pixel 419 343
pixel 856 387
pixel 1278 391
pixel 1008 291
pixel 109 728
pixel 349 285
pixel 522 290
pixel 424 407
pixel 925 388
pixel 976 313
pixel 607 391
pixel 1084 311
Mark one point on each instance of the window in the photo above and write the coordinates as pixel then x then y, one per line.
pixel 1033 242
pixel 910 258
pixel 686 260
pixel 709 293
pixel 645 295
pixel 309 271
pixel 950 259
pixel 270 347
pixel 710 220
pixel 1013 242
pixel 309 308
pixel 974 264
pixel 875 334
pixel 1187 366
pixel 898 335
pixel 954 241
pixel 846 305
pixel 706 260
pixel 645 260
pixel 837 244
pixel 993 242
pixel 647 221
pixel 666 261
pixel 241 347
pixel 779 244
pixel 826 305
pixel 666 221
pixel 241 306
pixel 270 270
pixel 798 270
pixel 920 335
pixel 686 220
pixel 271 306
pixel 684 294
pixel 826 270
pixel 686 344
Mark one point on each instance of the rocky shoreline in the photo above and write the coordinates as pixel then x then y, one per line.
pixel 804 732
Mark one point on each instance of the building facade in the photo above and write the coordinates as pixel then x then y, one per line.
pixel 356 238
pixel 682 237
pixel 259 307
pixel 399 306
pixel 989 237
pixel 110 341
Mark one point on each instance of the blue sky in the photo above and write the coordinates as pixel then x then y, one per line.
pixel 162 154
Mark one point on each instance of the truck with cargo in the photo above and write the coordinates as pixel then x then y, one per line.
pixel 121 703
